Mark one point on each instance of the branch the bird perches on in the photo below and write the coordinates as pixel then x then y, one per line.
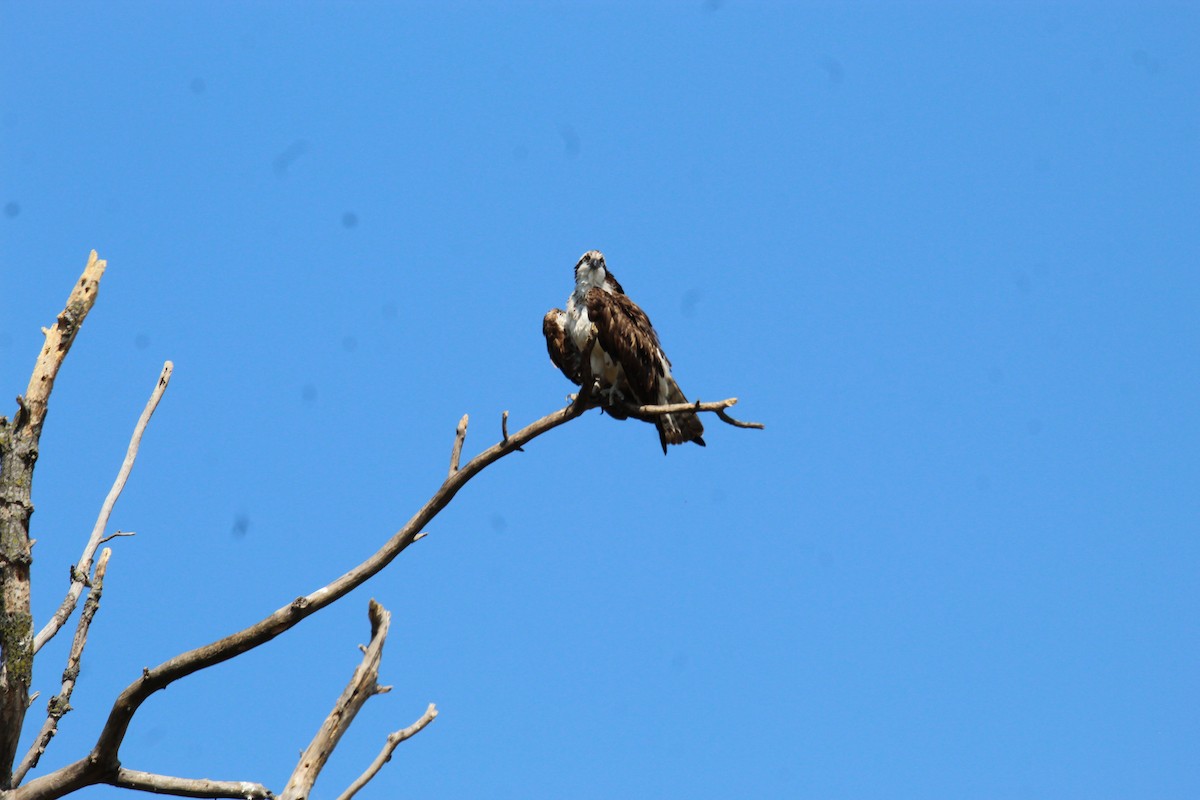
pixel 102 764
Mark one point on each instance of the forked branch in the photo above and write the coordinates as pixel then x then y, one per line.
pixel 362 687
pixel 80 572
pixel 60 704
pixel 103 757
pixel 648 413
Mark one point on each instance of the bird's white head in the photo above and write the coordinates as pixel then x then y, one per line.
pixel 590 270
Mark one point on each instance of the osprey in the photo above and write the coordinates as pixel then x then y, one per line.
pixel 627 361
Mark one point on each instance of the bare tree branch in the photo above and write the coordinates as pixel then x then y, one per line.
pixel 737 423
pixel 363 686
pixel 187 787
pixel 647 413
pixel 59 338
pixel 460 436
pixel 80 573
pixel 103 758
pixel 102 764
pixel 60 704
pixel 385 755
pixel 18 454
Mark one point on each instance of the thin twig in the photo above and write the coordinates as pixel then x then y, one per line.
pixel 385 754
pixel 719 406
pixel 737 423
pixel 504 430
pixel 85 561
pixel 116 535
pixel 60 704
pixel 187 787
pixel 460 435
pixel 362 686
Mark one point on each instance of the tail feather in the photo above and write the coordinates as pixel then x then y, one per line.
pixel 678 428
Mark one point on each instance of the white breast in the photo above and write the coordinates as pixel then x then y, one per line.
pixel 579 328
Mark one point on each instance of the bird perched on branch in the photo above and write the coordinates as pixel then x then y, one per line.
pixel 627 362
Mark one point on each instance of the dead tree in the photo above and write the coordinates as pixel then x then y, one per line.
pixel 20 644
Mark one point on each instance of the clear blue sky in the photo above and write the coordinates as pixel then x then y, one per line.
pixel 947 252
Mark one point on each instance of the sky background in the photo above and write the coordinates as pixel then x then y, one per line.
pixel 946 252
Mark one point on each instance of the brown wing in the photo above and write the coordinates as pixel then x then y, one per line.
pixel 561 348
pixel 624 332
pixel 679 428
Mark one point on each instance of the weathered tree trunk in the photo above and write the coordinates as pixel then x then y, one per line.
pixel 17 456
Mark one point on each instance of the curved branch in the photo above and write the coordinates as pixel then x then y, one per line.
pixel 102 763
pixel 737 423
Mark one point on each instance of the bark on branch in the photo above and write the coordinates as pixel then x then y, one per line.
pixel 60 704
pixel 18 454
pixel 187 787
pixel 460 436
pixel 59 338
pixel 85 561
pixel 362 687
